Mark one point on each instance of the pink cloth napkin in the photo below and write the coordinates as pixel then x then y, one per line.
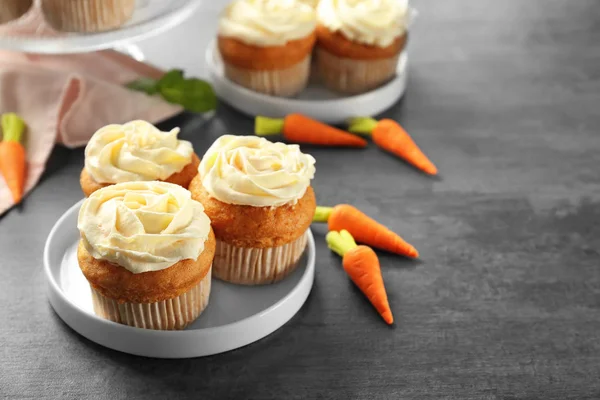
pixel 66 98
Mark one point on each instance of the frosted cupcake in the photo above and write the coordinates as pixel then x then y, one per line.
pixel 260 202
pixel 359 42
pixel 87 15
pixel 137 151
pixel 266 45
pixel 13 9
pixel 146 249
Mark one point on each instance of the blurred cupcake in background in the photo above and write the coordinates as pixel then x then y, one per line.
pixel 266 45
pixel 359 42
pixel 87 15
pixel 13 9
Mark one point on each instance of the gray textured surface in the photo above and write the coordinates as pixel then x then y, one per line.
pixel 505 303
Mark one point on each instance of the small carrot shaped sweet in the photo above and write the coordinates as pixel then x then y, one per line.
pixel 362 266
pixel 364 229
pixel 12 154
pixel 297 128
pixel 390 136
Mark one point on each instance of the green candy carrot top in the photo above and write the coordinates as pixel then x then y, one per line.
pixel 340 242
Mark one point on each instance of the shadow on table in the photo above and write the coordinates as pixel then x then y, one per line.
pixel 59 158
pixel 266 366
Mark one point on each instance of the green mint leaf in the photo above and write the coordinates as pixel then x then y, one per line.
pixel 172 78
pixel 146 85
pixel 193 94
pixel 200 96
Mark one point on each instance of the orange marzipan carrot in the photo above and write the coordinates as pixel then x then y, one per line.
pixel 12 155
pixel 364 229
pixel 362 266
pixel 390 136
pixel 298 128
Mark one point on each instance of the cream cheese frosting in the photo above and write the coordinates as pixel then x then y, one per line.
pixel 312 3
pixel 249 170
pixel 267 22
pixel 143 226
pixel 135 151
pixel 370 22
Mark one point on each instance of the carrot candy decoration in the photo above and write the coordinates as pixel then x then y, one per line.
pixel 297 128
pixel 362 266
pixel 364 229
pixel 390 136
pixel 12 154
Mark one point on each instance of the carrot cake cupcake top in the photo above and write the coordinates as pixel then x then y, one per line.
pixel 248 170
pixel 143 226
pixel 135 151
pixel 370 22
pixel 267 22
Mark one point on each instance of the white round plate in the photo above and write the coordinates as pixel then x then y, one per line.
pixel 235 316
pixel 315 101
pixel 151 17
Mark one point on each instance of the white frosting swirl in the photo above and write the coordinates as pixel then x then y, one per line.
pixel 249 170
pixel 267 22
pixel 370 22
pixel 136 151
pixel 312 3
pixel 143 226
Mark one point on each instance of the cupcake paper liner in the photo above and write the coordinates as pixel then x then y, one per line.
pixel 248 266
pixel 278 82
pixel 87 15
pixel 172 314
pixel 352 76
pixel 11 10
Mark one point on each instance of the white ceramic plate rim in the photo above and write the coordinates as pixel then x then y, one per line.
pixel 54 286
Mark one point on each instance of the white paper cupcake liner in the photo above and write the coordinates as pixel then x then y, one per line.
pixel 278 82
pixel 172 314
pixel 351 76
pixel 87 15
pixel 248 266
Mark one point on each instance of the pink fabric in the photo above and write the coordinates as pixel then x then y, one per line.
pixel 66 98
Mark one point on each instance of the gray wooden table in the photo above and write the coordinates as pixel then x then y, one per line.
pixel 505 302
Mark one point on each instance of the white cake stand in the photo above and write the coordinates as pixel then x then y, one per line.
pixel 31 33
pixel 236 315
pixel 151 17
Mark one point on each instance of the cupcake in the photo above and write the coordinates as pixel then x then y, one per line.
pixel 137 151
pixel 87 15
pixel 266 45
pixel 13 9
pixel 359 42
pixel 146 250
pixel 260 202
